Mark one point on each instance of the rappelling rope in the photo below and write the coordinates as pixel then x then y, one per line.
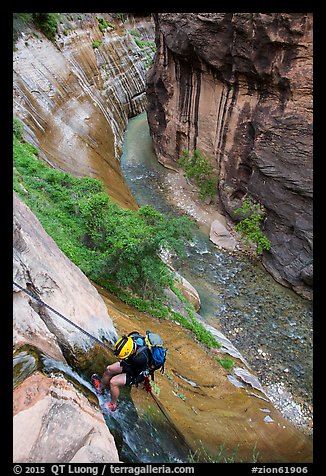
pixel 63 317
pixel 103 345
pixel 171 423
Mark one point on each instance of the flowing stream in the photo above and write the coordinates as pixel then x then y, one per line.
pixel 269 324
pixel 141 435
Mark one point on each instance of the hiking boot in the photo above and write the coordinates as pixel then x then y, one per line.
pixel 96 382
pixel 111 407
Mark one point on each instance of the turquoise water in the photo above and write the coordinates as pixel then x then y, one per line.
pixel 268 323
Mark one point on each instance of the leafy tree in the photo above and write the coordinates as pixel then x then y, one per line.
pixel 130 242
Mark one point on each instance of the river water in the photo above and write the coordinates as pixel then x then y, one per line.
pixel 269 324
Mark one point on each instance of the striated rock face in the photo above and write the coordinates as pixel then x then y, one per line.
pixel 239 87
pixel 75 100
pixel 51 408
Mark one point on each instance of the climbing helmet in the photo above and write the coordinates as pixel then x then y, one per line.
pixel 123 347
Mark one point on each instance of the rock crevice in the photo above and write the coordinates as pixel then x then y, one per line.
pixel 239 87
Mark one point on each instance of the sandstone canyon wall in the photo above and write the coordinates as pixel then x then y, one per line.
pixel 53 400
pixel 77 125
pixel 239 87
pixel 75 99
pixel 50 406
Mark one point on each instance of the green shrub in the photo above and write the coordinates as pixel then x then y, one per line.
pixel 18 129
pixel 122 245
pixel 142 44
pixel 198 169
pixel 249 226
pixel 226 362
pixel 47 23
pixel 96 44
pixel 116 248
pixel 102 24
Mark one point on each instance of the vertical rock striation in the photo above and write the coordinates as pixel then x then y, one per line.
pixel 75 95
pixel 239 87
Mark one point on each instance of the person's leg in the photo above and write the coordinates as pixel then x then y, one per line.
pixel 115 383
pixel 110 371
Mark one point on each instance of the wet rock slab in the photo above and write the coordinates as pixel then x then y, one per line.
pixel 204 405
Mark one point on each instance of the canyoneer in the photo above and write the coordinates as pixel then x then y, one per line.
pixel 139 356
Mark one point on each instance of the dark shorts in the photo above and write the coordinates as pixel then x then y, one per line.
pixel 130 377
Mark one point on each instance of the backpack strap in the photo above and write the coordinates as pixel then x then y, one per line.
pixel 153 340
pixel 134 334
pixel 141 349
